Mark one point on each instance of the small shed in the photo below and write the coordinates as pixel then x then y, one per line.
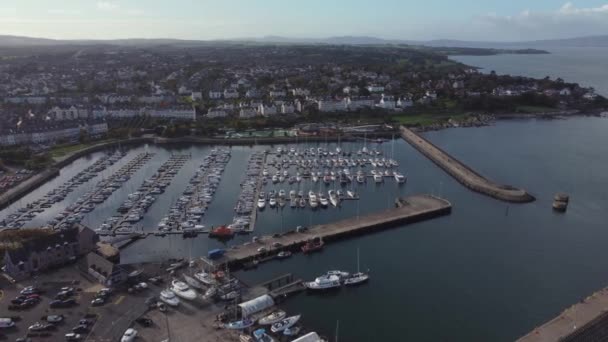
pixel 256 305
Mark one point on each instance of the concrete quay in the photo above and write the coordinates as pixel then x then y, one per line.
pixel 464 174
pixel 413 209
pixel 584 321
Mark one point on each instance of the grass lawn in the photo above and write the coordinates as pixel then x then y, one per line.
pixel 534 109
pixel 424 119
pixel 63 150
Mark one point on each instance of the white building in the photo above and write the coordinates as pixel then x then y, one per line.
pixel 215 94
pixel 300 92
pixel 287 108
pixel 267 110
pixel 174 113
pixel 375 88
pixel 123 112
pixel 387 102
pixel 247 113
pixel 277 93
pixel 331 105
pixel 231 94
pixel 405 102
pixel 196 96
pixel 216 113
pixel 355 103
pixel 71 113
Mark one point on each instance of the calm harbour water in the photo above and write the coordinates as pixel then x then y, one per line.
pixel 586 66
pixel 490 271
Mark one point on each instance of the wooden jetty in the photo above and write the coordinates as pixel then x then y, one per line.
pixel 464 174
pixel 414 208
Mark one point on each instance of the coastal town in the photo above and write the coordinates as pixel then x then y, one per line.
pixel 142 185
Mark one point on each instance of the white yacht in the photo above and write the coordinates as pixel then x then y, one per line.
pixel 323 200
pixel 333 198
pixel 261 203
pixel 313 200
pixel 324 282
pixel 378 178
pixel 284 324
pixel 169 298
pixel 205 278
pixel 272 318
pixel 272 202
pixel 400 178
pixel 182 290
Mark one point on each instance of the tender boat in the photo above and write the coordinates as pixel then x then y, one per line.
pixel 324 282
pixel 205 278
pixel 260 335
pixel 292 331
pixel 284 324
pixel 182 290
pixel 221 232
pixel 169 298
pixel 284 254
pixel 239 325
pixel 192 282
pixel 272 318
pixel 399 177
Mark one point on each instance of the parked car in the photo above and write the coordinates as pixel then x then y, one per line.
pixel 72 337
pixel 98 302
pixel 129 335
pixel 146 322
pixel 54 318
pixel 84 322
pixel 80 329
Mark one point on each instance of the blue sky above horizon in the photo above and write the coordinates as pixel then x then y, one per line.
pixel 226 19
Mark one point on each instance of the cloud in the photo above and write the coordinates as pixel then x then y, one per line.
pixel 566 21
pixel 64 11
pixel 107 5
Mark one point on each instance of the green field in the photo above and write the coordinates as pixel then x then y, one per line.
pixel 425 119
pixel 534 109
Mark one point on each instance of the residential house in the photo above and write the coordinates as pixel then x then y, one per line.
pixel 277 93
pixel 287 108
pixel 375 88
pixel 196 96
pixel 253 94
pixel 213 113
pixel 106 272
pixel 355 103
pixel 43 252
pixel 231 94
pixel 300 92
pixel 186 113
pixel 247 113
pixel 388 102
pixel 330 105
pixel 215 94
pixel 267 110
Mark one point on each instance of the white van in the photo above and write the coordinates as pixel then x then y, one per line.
pixel 6 323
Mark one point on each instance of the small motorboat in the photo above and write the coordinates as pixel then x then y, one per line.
pixel 260 335
pixel 292 331
pixel 182 290
pixel 239 325
pixel 205 278
pixel 192 282
pixel 284 255
pixel 273 318
pixel 169 298
pixel 284 324
pixel 210 292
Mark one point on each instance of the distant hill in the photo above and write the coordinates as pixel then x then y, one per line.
pixel 590 41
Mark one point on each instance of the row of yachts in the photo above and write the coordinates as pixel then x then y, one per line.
pixel 344 177
pixel 132 210
pixel 185 215
pixel 324 152
pixel 300 199
pixel 27 213
pixel 201 285
pixel 245 204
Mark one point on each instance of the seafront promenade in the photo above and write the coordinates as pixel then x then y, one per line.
pixel 464 174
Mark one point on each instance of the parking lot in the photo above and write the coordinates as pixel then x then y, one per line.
pixel 49 285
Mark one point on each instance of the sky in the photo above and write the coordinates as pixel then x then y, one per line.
pixel 489 20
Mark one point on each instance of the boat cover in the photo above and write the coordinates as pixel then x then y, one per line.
pixel 310 337
pixel 256 305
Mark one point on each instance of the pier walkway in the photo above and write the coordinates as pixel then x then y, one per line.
pixel 584 321
pixel 462 173
pixel 414 208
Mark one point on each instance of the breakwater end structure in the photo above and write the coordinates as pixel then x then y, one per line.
pixel 464 174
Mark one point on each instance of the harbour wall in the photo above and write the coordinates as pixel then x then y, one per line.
pixel 464 174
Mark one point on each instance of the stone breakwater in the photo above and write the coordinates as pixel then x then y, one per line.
pixel 462 173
